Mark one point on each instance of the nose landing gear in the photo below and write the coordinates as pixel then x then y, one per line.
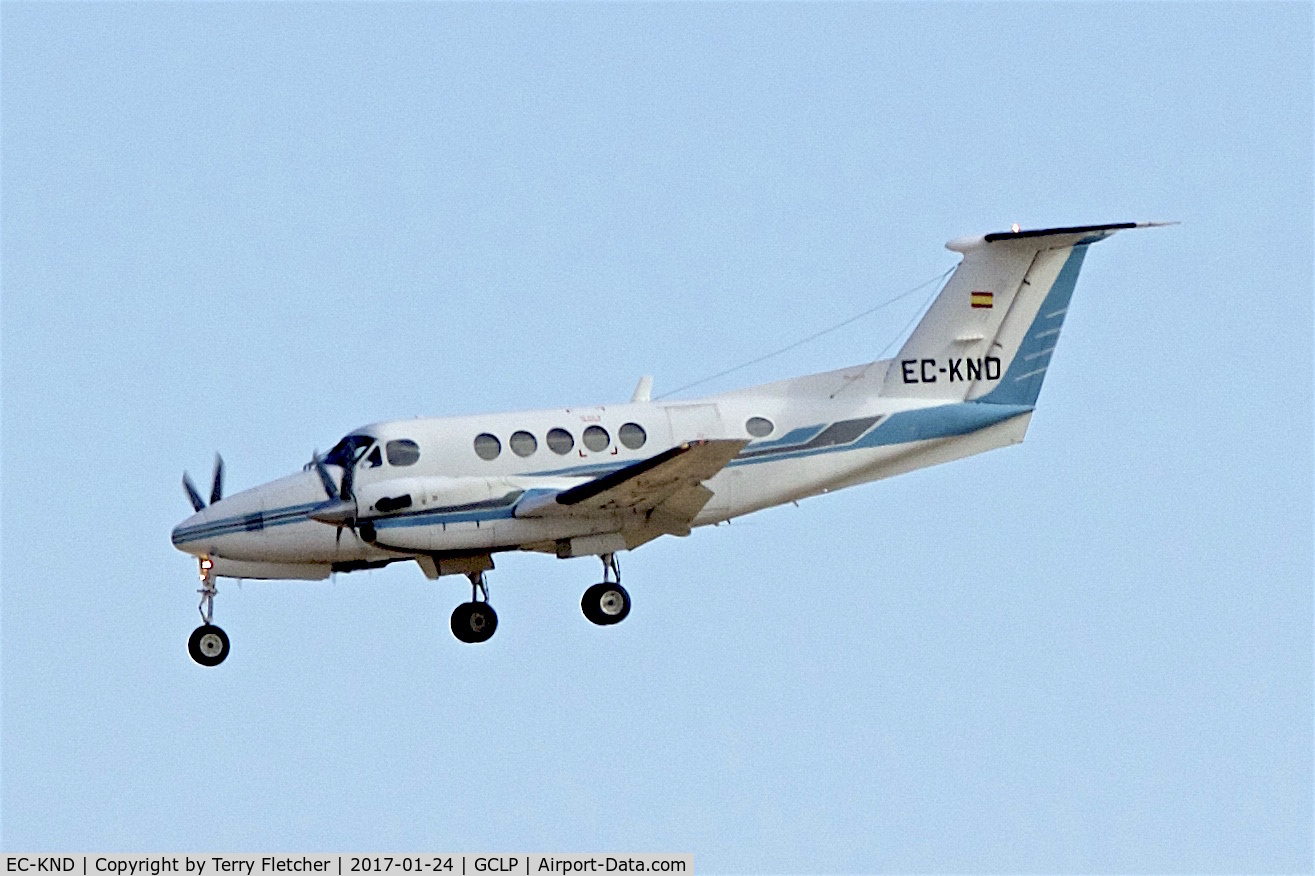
pixel 608 602
pixel 208 644
pixel 475 621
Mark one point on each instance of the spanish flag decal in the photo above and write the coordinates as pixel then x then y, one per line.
pixel 983 299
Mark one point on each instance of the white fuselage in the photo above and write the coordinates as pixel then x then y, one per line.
pixel 827 431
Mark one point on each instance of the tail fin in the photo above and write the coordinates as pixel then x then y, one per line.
pixel 990 333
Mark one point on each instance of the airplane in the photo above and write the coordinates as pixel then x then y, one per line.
pixel 449 493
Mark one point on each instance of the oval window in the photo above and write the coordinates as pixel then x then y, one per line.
pixel 523 443
pixel 596 438
pixel 560 441
pixel 402 452
pixel 632 435
pixel 487 446
pixel 759 427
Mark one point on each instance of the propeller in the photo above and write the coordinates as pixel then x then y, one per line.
pixel 216 486
pixel 340 509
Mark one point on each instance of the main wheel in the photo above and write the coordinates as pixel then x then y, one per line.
pixel 474 622
pixel 208 645
pixel 605 604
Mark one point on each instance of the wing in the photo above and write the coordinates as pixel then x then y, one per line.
pixel 666 490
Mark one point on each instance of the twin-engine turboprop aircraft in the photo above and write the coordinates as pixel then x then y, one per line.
pixel 450 493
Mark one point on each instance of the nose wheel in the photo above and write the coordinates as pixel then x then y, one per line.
pixel 208 644
pixel 475 621
pixel 607 603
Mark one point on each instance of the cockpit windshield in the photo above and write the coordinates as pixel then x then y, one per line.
pixel 347 451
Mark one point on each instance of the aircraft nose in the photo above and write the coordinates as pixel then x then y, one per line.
pixel 238 527
pixel 186 535
pixel 231 526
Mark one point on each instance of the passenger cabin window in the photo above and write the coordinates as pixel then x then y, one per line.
pixel 402 452
pixel 560 441
pixel 523 443
pixel 375 458
pixel 347 451
pixel 596 438
pixel 487 446
pixel 632 435
pixel 759 427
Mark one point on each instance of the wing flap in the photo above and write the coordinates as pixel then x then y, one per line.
pixel 644 486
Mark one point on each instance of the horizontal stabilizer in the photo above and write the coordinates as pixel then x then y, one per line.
pixel 1080 235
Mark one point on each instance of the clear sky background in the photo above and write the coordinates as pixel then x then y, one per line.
pixel 250 228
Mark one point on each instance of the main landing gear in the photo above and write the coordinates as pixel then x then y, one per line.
pixel 475 621
pixel 208 644
pixel 605 603
pixel 608 602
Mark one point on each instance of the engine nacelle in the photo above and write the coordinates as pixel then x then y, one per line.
pixel 447 514
pixel 410 494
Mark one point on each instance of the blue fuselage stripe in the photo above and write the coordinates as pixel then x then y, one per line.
pixel 229 525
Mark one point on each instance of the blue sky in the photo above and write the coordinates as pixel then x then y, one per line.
pixel 253 227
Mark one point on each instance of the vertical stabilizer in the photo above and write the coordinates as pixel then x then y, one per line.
pixel 990 333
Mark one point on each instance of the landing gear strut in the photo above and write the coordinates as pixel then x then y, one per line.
pixel 608 602
pixel 475 621
pixel 208 644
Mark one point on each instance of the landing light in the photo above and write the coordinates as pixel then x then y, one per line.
pixel 1015 228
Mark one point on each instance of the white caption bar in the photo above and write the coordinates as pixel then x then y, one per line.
pixel 342 865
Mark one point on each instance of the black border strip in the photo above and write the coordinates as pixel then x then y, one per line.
pixel 1046 232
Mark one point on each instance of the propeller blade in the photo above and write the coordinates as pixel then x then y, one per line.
pixel 197 502
pixel 217 485
pixel 348 478
pixel 340 510
pixel 330 490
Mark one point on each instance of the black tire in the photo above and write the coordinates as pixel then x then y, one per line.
pixel 208 645
pixel 605 604
pixel 474 622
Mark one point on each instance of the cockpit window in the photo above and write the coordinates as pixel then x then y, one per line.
pixel 374 459
pixel 402 452
pixel 348 450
